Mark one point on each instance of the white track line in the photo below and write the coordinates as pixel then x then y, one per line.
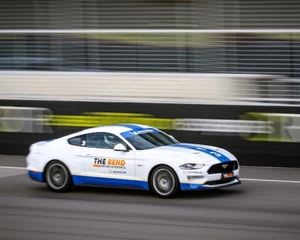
pixel 11 167
pixel 268 180
pixel 243 179
pixel 80 30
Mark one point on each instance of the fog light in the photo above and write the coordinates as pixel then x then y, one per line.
pixel 195 177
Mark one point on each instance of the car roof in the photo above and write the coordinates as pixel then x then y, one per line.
pixel 115 129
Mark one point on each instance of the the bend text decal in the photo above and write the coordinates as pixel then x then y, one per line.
pixel 109 163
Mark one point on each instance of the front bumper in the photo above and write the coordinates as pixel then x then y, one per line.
pixel 209 177
pixel 210 185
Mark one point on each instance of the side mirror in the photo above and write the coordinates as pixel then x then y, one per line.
pixel 120 147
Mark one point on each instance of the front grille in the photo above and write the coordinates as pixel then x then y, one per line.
pixel 223 167
pixel 222 181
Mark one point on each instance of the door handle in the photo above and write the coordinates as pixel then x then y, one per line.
pixel 84 155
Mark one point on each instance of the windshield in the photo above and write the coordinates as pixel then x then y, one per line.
pixel 148 139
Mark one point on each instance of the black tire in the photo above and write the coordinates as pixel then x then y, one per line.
pixel 164 182
pixel 58 177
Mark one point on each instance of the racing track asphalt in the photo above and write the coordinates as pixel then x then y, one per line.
pixel 253 210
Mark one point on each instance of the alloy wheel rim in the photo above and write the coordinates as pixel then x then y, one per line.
pixel 57 176
pixel 163 182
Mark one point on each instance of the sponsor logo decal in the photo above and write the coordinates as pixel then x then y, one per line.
pixel 109 163
pixel 252 126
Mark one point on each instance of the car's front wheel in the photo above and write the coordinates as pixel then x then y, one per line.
pixel 164 182
pixel 57 176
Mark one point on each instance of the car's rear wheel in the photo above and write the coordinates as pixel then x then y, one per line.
pixel 164 182
pixel 57 176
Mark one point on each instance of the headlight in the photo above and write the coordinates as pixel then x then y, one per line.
pixel 191 166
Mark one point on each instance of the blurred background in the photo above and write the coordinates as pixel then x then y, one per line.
pixel 220 72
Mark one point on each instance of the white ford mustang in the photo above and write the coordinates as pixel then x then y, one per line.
pixel 130 156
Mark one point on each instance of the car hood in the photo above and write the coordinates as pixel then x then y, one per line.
pixel 194 152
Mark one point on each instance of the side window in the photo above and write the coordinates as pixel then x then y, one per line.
pixel 95 140
pixel 78 141
pixel 113 140
pixel 103 140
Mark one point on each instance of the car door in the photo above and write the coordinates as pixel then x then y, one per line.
pixel 101 160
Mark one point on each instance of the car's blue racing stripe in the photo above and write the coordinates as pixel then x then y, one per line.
pixel 127 134
pixel 109 182
pixel 221 157
pixel 133 127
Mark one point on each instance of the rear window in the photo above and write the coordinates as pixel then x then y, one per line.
pixel 78 141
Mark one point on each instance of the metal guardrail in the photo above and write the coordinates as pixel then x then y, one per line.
pixel 187 88
pixel 199 51
pixel 260 37
pixel 271 56
pixel 150 14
